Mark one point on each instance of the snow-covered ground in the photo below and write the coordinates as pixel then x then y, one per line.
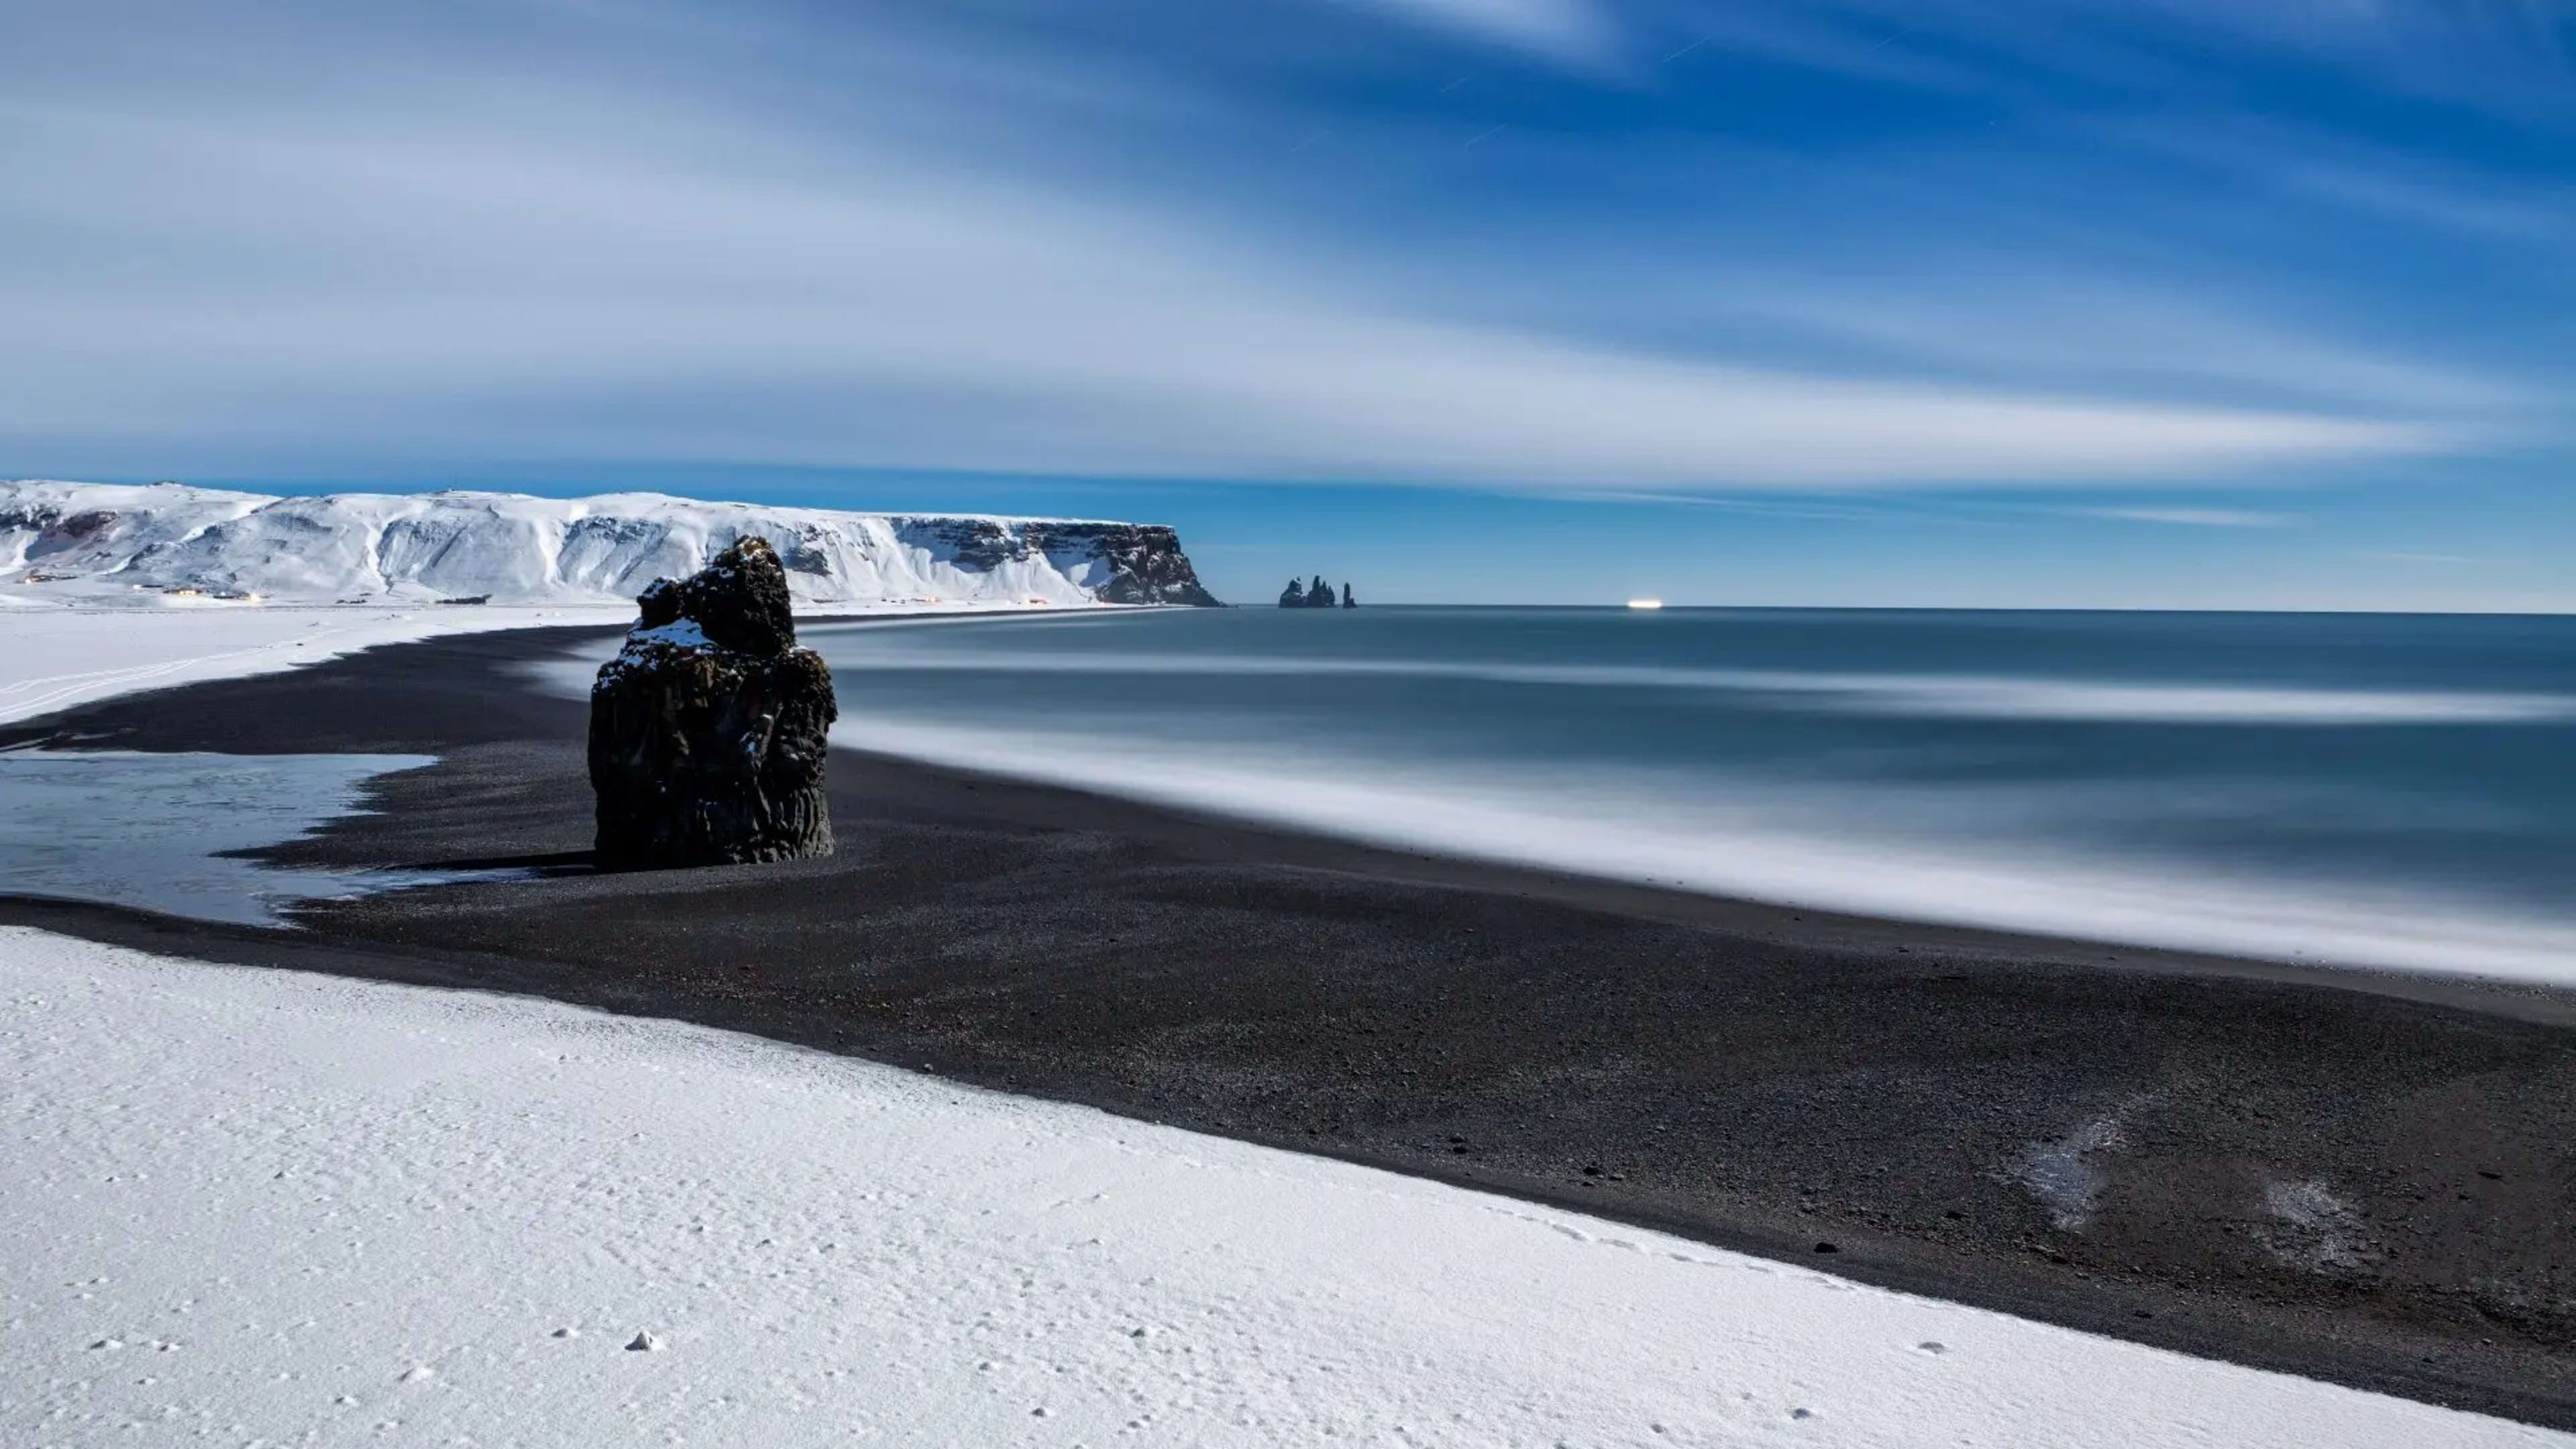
pixel 261 1207
pixel 59 657
pixel 56 657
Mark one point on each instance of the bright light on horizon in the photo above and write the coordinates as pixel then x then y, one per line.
pixel 1645 603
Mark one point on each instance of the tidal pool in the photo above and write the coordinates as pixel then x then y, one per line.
pixel 162 831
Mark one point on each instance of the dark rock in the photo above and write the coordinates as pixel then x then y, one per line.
pixel 77 529
pixel 1317 595
pixel 658 605
pixel 53 531
pixel 740 600
pixel 707 732
pixel 1145 562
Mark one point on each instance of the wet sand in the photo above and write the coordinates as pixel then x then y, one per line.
pixel 2356 1176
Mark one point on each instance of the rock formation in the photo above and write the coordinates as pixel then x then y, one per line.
pixel 1318 595
pixel 707 731
pixel 1139 563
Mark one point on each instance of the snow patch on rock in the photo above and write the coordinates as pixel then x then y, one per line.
pixel 2314 1229
pixel 2067 1173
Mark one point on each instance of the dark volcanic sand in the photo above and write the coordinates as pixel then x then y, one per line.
pixel 2361 1178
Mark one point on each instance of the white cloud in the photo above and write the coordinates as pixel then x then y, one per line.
pixel 427 260
pixel 1573 32
pixel 2506 54
pixel 2032 322
pixel 2195 517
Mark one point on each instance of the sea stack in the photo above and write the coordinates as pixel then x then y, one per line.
pixel 1318 595
pixel 707 732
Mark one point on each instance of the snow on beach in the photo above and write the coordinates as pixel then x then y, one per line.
pixel 61 656
pixel 58 657
pixel 283 1208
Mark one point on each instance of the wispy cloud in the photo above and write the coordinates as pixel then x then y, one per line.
pixel 682 233
pixel 2499 53
pixel 2364 179
pixel 1987 318
pixel 1573 32
pixel 2195 517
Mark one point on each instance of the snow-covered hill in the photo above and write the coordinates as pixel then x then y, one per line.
pixel 89 542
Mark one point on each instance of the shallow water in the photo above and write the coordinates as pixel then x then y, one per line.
pixel 2367 789
pixel 153 830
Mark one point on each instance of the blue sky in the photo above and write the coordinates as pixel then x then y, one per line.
pixel 2265 303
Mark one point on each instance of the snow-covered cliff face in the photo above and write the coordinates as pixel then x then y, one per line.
pixel 90 541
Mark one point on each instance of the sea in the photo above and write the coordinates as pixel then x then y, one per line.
pixel 178 833
pixel 2368 790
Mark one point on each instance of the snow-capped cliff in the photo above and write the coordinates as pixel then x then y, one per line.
pixel 84 542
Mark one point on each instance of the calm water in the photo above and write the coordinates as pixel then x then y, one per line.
pixel 2368 789
pixel 153 830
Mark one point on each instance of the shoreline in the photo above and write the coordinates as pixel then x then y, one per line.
pixel 1764 1078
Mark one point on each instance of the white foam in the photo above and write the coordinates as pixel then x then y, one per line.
pixel 1797 847
pixel 1904 695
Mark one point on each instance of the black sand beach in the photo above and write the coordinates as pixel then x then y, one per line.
pixel 2358 1177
